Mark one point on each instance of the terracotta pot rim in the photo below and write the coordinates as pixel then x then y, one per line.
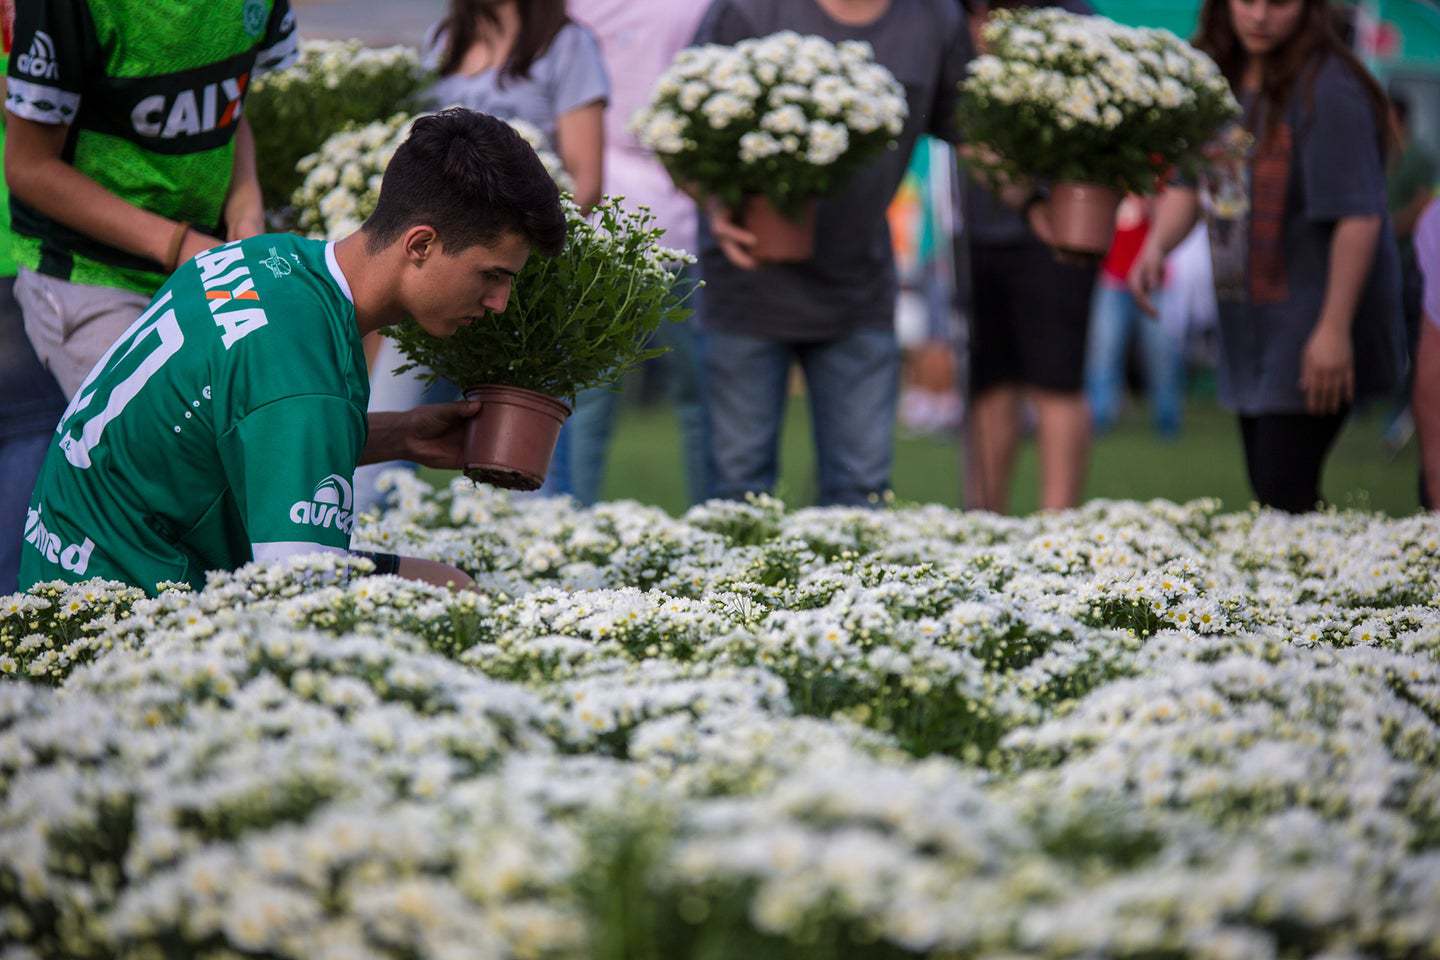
pixel 500 393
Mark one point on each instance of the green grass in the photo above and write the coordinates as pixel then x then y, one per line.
pixel 1128 463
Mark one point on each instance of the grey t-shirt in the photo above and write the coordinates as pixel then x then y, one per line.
pixel 987 220
pixel 1272 254
pixel 850 281
pixel 570 73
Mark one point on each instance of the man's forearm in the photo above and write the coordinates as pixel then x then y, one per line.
pixel 388 440
pixel 244 199
pixel 1176 213
pixel 69 197
pixel 1352 252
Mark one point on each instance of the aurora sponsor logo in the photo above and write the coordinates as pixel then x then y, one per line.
pixel 75 557
pixel 328 506
pixel 39 60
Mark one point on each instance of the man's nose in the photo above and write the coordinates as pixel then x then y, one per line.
pixel 497 300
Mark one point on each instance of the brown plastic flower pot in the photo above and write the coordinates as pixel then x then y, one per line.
pixel 1082 216
pixel 510 441
pixel 779 239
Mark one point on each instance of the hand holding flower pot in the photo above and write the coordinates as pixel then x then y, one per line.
pixel 578 320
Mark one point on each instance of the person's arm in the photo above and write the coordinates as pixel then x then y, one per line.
pixel 1407 216
pixel 580 141
pixel 244 206
pixel 433 435
pixel 432 572
pixel 1176 214
pixel 37 176
pixel 579 92
pixel 725 23
pixel 1327 366
pixel 1342 173
pixel 41 110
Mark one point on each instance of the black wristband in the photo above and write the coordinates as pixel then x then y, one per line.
pixel 385 563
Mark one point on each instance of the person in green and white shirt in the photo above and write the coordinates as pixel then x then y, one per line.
pixel 226 423
pixel 128 152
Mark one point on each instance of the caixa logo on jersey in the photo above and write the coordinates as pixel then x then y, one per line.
pixel 174 113
pixel 328 506
pixel 189 113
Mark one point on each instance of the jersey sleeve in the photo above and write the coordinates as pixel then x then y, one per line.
pixel 280 47
pixel 291 466
pixel 53 42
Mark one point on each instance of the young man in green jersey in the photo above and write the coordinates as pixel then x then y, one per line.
pixel 226 423
pixel 127 153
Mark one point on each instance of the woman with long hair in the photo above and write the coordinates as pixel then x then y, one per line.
pixel 527 60
pixel 1306 270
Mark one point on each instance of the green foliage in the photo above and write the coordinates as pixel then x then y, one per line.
pixel 578 320
pixel 333 85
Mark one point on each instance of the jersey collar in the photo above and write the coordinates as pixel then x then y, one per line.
pixel 334 266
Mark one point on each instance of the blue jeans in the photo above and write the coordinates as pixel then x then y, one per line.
pixel 1114 316
pixel 578 467
pixel 30 405
pixel 853 383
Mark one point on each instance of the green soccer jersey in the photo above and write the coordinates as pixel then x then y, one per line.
pixel 224 425
pixel 151 91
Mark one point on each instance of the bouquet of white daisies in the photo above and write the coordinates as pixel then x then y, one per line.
pixel 1064 97
pixel 786 117
pixel 334 84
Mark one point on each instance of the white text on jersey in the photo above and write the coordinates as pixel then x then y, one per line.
pixel 228 289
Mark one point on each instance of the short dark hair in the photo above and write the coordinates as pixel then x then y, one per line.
pixel 472 178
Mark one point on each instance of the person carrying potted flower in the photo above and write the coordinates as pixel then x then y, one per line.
pixel 832 311
pixel 1306 269
pixel 225 425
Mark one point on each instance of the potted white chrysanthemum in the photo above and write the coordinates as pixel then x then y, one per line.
pixel 1095 108
pixel 768 126
pixel 577 320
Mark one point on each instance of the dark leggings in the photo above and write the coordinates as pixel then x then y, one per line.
pixel 1284 455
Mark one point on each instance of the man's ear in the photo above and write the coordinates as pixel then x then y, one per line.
pixel 420 244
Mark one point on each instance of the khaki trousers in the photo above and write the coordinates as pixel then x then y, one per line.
pixel 71 325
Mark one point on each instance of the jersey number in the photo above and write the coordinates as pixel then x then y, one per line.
pixel 157 331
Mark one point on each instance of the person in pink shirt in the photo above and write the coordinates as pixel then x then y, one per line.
pixel 638 41
pixel 1425 396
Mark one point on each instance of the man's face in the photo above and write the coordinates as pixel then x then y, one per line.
pixel 444 291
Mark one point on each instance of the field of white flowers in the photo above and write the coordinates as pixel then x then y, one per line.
pixel 1145 731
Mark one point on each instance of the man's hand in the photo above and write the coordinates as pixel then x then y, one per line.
pixel 243 225
pixel 1327 370
pixel 435 573
pixel 735 241
pixel 437 433
pixel 1147 276
pixel 433 435
pixel 195 242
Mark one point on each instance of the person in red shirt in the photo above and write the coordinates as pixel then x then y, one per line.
pixel 1114 318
